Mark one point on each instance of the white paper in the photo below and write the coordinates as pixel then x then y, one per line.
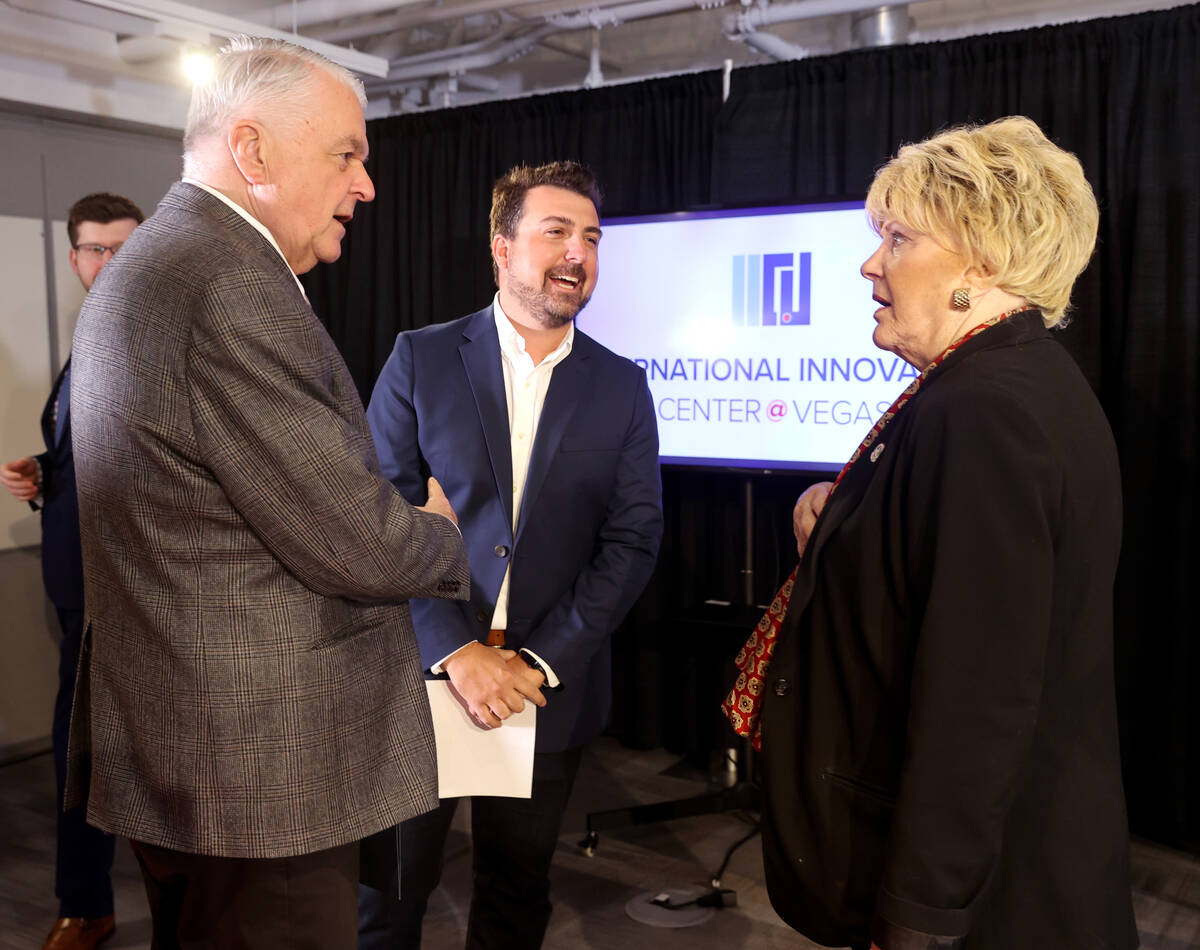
pixel 477 761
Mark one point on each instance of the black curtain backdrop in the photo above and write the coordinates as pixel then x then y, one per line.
pixel 1120 93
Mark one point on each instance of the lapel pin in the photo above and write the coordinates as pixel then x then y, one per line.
pixel 876 452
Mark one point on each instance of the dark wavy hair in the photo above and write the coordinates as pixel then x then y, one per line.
pixel 101 207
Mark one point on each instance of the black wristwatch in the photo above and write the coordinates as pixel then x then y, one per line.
pixel 533 664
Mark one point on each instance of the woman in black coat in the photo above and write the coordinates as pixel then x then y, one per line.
pixel 937 711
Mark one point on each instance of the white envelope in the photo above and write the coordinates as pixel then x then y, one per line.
pixel 477 761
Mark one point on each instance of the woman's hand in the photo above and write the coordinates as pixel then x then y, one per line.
pixel 808 506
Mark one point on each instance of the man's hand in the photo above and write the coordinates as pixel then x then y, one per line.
pixel 21 478
pixel 438 503
pixel 493 684
pixel 808 506
pixel 522 670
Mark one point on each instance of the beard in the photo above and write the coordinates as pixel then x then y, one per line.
pixel 545 306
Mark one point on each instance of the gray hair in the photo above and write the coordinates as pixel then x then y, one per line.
pixel 272 73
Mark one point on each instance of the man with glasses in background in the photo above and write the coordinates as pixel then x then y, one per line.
pixel 97 225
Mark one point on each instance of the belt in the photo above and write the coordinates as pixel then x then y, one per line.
pixel 495 638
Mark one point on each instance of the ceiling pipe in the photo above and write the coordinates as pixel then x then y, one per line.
pixel 387 45
pixel 480 83
pixel 307 12
pixel 605 62
pixel 621 13
pixel 180 21
pixel 774 46
pixel 424 16
pixel 485 53
pixel 752 17
pixel 455 62
pixel 595 76
pixel 453 52
pixel 404 19
pixel 739 26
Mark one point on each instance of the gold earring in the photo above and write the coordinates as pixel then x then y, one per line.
pixel 961 299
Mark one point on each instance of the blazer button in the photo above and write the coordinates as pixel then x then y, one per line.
pixel 500 550
pixel 782 687
pixel 481 616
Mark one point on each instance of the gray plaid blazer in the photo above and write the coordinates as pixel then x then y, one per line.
pixel 249 684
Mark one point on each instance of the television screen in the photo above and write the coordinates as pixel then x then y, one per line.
pixel 754 328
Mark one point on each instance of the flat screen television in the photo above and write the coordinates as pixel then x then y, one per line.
pixel 754 328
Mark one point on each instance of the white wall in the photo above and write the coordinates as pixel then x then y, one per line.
pixel 45 166
pixel 24 360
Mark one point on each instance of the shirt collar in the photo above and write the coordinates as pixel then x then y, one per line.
pixel 512 344
pixel 253 222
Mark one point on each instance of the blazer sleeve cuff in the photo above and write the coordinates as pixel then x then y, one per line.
pixel 901 924
pixel 892 936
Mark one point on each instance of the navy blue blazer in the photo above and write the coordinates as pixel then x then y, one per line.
pixel 591 515
pixel 62 559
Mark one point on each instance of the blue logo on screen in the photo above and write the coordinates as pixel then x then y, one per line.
pixel 772 289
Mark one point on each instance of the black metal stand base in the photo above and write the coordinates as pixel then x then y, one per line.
pixel 744 796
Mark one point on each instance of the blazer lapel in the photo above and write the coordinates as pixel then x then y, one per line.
pixel 49 424
pixel 568 384
pixel 480 353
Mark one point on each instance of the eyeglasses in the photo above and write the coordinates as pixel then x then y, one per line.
pixel 98 250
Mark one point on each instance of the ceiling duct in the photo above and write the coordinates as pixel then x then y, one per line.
pixel 745 25
pixel 883 26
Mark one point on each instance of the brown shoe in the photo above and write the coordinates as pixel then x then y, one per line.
pixel 79 933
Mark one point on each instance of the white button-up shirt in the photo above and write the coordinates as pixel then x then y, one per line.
pixel 525 388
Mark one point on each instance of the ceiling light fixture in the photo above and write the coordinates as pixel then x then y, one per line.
pixel 197 66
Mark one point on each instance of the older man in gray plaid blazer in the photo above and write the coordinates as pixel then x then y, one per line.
pixel 249 702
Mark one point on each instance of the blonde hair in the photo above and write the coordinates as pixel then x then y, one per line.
pixel 272 74
pixel 1013 203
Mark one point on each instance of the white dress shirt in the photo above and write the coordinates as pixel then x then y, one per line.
pixel 525 388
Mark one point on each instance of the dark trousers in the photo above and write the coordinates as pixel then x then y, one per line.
pixel 85 854
pixel 199 902
pixel 513 842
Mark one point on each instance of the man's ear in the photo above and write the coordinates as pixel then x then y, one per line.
pixel 500 251
pixel 248 146
pixel 73 257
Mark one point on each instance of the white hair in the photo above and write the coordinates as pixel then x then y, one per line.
pixel 250 70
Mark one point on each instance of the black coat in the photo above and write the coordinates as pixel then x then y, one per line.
pixel 62 562
pixel 939 731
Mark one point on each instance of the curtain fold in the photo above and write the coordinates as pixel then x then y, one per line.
pixel 1119 92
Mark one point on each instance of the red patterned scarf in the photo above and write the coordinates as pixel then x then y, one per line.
pixel 744 703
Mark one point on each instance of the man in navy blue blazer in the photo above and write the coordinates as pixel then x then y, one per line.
pixel 547 447
pixel 97 224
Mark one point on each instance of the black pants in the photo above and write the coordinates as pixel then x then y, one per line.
pixel 82 881
pixel 513 841
pixel 198 902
